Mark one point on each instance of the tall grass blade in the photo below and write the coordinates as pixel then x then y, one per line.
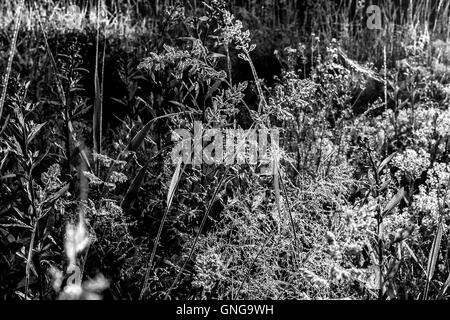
pixel 98 90
pixel 385 163
pixel 444 287
pixel 173 185
pixel 432 258
pixel 394 201
pixel 11 57
pixel 202 224
pixel 289 211
pixel 266 243
pixel 222 182
pixel 139 138
pixel 133 190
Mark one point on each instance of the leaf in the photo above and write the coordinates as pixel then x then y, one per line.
pixel 373 277
pixel 173 184
pixel 12 52
pixel 97 124
pixel 80 111
pixel 403 234
pixel 242 56
pixel 394 201
pixel 444 287
pixel 97 121
pixel 50 200
pixel 198 233
pixel 213 89
pixel 34 131
pixel 392 269
pixel 187 38
pixel 8 176
pixel 119 101
pixel 215 55
pixel 384 185
pixel 433 256
pixel 133 190
pixel 172 188
pixel 276 185
pixel 178 104
pixel 434 252
pixel 139 138
pixel 414 257
pixel 37 161
pixel 5 125
pixel 80 149
pixel 385 162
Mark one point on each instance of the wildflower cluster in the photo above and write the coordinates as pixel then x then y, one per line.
pixel 412 162
pixel 181 61
pixel 231 30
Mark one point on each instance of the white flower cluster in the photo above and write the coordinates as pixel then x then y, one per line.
pixel 412 162
pixel 429 201
pixel 443 124
pixel 438 176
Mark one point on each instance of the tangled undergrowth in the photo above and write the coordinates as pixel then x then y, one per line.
pixel 92 205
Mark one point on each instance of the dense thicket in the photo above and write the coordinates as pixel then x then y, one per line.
pixel 92 205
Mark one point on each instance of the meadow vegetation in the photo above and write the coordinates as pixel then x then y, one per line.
pixel 92 205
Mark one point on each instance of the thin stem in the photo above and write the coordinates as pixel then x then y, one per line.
pixel 11 57
pixel 379 226
pixel 263 102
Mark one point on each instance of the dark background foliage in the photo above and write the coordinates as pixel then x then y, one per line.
pixel 358 208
